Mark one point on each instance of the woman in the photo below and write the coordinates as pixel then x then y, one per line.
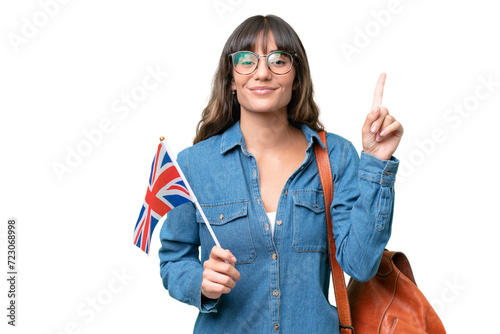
pixel 253 170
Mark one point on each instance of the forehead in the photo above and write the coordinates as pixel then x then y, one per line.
pixel 261 42
pixel 264 43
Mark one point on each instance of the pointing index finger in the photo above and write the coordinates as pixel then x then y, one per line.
pixel 379 91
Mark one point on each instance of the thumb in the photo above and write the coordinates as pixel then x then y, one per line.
pixel 370 118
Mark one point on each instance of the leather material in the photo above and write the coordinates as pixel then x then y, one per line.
pixel 390 302
pixel 325 174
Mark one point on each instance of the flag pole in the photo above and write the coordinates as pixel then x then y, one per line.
pixel 191 193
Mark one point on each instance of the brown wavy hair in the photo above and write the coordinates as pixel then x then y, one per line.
pixel 223 109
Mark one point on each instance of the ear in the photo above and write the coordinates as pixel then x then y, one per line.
pixel 233 85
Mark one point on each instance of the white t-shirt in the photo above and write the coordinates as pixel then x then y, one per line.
pixel 272 220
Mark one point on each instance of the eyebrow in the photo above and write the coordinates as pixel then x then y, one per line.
pixel 270 51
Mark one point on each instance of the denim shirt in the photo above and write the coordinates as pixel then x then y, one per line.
pixel 284 279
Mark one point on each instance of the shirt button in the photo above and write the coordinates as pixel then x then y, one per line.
pixel 302 168
pixel 258 201
pixel 279 222
pixel 267 227
pixel 221 217
pixel 276 327
pixel 275 293
pixel 286 192
pixel 275 256
pixel 254 173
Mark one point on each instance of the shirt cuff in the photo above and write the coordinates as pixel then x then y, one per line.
pixel 204 305
pixel 209 305
pixel 377 170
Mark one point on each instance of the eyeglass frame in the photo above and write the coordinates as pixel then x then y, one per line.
pixel 267 58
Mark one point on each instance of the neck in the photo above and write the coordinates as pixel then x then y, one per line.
pixel 265 131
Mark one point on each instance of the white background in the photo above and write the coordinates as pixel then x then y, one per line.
pixel 69 74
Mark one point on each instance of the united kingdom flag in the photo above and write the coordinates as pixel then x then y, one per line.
pixel 166 190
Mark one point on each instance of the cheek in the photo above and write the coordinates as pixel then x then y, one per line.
pixel 289 85
pixel 238 83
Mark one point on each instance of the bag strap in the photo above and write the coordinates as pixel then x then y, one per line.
pixel 339 286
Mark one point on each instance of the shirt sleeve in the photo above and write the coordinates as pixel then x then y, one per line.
pixel 180 267
pixel 362 210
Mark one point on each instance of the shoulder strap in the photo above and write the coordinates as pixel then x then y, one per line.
pixel 325 174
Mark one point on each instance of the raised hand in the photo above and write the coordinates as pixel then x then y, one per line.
pixel 381 132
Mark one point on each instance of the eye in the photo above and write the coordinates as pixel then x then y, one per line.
pixel 244 59
pixel 279 59
pixel 280 62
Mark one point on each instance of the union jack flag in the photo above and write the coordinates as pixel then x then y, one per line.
pixel 166 190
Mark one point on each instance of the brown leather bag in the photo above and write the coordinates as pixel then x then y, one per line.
pixel 390 302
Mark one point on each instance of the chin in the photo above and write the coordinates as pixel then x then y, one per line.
pixel 264 108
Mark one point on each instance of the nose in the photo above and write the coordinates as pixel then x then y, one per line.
pixel 262 72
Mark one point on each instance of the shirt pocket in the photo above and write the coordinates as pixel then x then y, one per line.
pixel 309 221
pixel 229 221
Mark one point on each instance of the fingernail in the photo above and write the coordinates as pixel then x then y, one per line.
pixel 374 111
pixel 377 138
pixel 374 129
pixel 382 133
pixel 233 259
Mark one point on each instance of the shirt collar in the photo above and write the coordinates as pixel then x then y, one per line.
pixel 311 135
pixel 233 137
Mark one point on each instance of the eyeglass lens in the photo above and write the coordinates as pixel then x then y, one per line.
pixel 247 62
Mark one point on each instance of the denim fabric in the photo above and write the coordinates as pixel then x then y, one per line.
pixel 284 279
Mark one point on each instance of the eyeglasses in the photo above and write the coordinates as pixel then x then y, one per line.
pixel 278 62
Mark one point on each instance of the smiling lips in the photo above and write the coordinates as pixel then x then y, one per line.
pixel 262 90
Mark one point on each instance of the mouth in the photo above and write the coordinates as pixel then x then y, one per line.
pixel 262 90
